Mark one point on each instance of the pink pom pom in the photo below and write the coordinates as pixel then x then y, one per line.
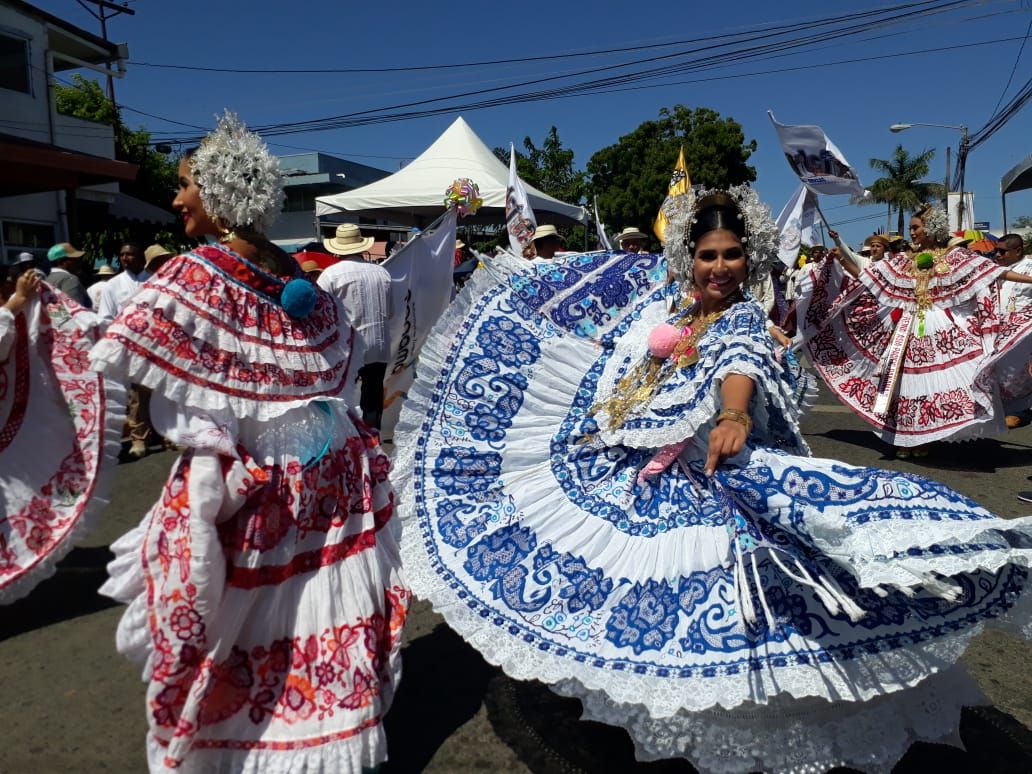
pixel 663 339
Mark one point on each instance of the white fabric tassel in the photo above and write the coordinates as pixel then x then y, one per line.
pixel 742 592
pixel 803 579
pixel 851 608
pixel 771 625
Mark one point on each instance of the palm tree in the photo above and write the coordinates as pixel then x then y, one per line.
pixel 901 188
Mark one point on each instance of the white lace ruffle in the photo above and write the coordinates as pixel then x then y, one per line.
pixel 354 755
pixel 141 347
pixel 789 736
pixel 977 272
pixel 858 680
pixel 702 418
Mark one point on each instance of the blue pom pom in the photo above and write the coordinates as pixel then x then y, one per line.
pixel 298 298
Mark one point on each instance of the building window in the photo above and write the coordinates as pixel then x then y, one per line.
pixel 14 64
pixel 20 237
pixel 299 200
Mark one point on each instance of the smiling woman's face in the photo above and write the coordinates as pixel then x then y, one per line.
pixel 196 222
pixel 721 267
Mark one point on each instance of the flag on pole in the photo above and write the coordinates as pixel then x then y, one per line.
pixel 797 223
pixel 421 289
pixel 519 217
pixel 820 165
pixel 680 184
pixel 600 227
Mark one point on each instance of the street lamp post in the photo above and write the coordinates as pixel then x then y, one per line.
pixel 962 151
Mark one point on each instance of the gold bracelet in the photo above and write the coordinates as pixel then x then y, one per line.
pixel 741 417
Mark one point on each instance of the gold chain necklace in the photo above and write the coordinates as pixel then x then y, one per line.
pixel 637 389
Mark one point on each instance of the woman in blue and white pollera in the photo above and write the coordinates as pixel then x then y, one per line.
pixel 607 490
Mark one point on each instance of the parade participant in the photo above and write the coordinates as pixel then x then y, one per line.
pixel 912 347
pixel 1013 370
pixel 64 266
pixel 365 291
pixel 875 247
pixel 155 257
pixel 263 587
pixel 59 432
pixel 616 499
pixel 631 239
pixel 119 290
pixel 103 275
pixel 547 242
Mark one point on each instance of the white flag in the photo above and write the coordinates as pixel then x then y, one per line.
pixel 819 164
pixel 421 289
pixel 797 223
pixel 519 217
pixel 600 227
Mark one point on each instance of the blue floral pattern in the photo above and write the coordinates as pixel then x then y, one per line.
pixel 568 600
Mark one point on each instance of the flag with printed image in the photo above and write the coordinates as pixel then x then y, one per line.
pixel 680 184
pixel 817 161
pixel 519 217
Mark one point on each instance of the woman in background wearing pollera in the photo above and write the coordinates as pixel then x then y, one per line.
pixel 60 429
pixel 913 347
pixel 263 587
pixel 616 499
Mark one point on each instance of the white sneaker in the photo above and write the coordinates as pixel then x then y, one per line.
pixel 138 449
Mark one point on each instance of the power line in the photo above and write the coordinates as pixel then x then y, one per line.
pixel 773 29
pixel 1014 69
pixel 702 61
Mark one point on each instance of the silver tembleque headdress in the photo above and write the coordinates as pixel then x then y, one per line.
pixel 240 180
pixel 761 233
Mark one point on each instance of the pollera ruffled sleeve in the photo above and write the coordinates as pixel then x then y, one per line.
pixel 686 406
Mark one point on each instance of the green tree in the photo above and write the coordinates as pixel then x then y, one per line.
pixel 1023 221
pixel 901 186
pixel 630 178
pixel 158 173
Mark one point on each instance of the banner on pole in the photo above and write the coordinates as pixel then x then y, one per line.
pixel 421 289
pixel 519 217
pixel 797 223
pixel 816 160
pixel 680 184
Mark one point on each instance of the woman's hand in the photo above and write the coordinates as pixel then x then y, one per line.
pixel 25 290
pixel 726 440
pixel 780 336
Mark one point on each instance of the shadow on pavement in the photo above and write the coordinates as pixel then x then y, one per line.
pixel 70 593
pixel 442 688
pixel 545 732
pixel 980 455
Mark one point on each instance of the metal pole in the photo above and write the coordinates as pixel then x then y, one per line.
pixel 947 191
pixel 1003 201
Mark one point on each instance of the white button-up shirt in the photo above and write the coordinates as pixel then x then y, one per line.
pixel 118 291
pixel 365 291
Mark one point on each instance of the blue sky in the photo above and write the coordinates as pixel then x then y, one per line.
pixel 855 103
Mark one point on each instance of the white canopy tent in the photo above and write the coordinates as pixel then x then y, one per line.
pixel 414 195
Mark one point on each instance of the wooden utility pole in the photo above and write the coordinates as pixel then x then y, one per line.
pixel 106 10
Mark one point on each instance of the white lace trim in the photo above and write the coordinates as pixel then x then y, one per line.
pixel 210 388
pixel 354 755
pixel 858 680
pixel 796 737
pixel 701 420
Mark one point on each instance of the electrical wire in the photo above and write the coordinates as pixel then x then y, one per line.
pixel 1014 69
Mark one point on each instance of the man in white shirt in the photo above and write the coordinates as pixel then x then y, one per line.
pixel 113 299
pixel 104 272
pixel 119 290
pixel 365 291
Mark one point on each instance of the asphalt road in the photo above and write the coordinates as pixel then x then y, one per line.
pixel 72 704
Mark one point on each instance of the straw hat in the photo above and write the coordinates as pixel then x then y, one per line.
pixel 153 253
pixel 106 270
pixel 459 244
pixel 543 232
pixel 884 239
pixel 630 233
pixel 348 241
pixel 63 250
pixel 308 266
pixel 958 241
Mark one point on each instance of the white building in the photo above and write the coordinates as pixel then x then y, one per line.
pixel 49 162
